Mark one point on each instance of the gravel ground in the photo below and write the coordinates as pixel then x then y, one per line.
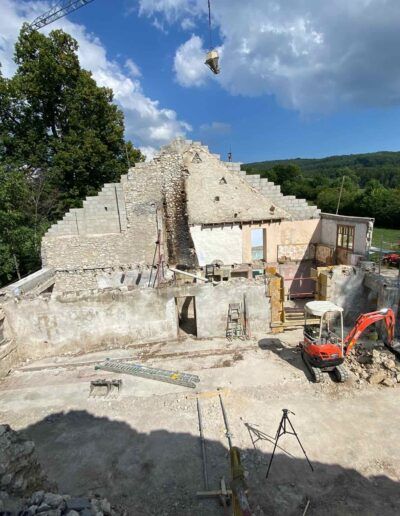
pixel 142 449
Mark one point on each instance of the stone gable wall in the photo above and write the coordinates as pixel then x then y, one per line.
pixel 182 187
pixel 218 195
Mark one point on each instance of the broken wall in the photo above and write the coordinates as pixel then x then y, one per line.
pixel 345 286
pixel 184 188
pixel 131 277
pixel 87 321
pixel 386 293
pixel 212 305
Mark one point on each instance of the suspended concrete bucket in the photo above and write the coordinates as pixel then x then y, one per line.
pixel 211 61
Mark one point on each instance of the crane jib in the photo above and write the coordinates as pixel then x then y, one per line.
pixel 56 12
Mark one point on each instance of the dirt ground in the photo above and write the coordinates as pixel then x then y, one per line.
pixel 142 449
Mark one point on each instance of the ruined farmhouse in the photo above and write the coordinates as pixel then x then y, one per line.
pixel 169 248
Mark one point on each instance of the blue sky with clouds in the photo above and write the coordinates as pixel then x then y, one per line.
pixel 299 78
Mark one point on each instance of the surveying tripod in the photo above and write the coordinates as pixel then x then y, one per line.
pixel 282 429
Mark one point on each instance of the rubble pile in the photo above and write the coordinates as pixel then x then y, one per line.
pixel 375 366
pixel 21 475
pixel 20 471
pixel 50 504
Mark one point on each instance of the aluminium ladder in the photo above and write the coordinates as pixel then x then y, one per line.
pixel 234 326
pixel 151 373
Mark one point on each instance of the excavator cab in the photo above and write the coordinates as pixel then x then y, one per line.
pixel 323 331
pixel 322 346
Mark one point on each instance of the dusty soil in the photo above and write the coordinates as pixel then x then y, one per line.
pixel 142 449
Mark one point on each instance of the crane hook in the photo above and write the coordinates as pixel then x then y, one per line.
pixel 212 56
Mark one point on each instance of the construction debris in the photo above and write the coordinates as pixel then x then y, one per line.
pixel 21 475
pixel 52 504
pixel 375 366
pixel 20 471
pixel 151 373
pixel 105 388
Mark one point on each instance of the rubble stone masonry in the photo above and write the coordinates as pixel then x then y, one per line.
pixel 182 187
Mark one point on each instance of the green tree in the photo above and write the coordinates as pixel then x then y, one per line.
pixel 60 132
pixel 328 199
pixel 383 203
pixel 18 254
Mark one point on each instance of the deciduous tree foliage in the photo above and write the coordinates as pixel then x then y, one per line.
pixel 61 139
pixel 371 185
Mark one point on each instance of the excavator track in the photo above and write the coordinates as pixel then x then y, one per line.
pixel 341 374
pixel 317 374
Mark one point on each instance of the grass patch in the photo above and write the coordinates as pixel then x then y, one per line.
pixel 390 238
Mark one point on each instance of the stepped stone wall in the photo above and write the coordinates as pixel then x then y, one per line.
pixel 183 187
pixel 299 209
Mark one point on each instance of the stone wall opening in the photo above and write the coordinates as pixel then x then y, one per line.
pixel 257 244
pixel 187 321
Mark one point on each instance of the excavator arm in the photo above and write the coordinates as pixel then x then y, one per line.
pixel 365 320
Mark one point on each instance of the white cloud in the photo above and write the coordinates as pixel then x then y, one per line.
pixel 189 64
pixel 187 24
pixel 133 69
pixel 216 128
pixel 147 123
pixel 172 10
pixel 314 56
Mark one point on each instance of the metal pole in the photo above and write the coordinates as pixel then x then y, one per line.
pixel 203 446
pixel 16 266
pixel 301 446
pixel 240 503
pixel 340 195
pixel 127 156
pixel 228 432
pixel 209 24
pixel 278 434
pixel 380 255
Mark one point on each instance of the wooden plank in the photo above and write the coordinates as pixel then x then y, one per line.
pixel 211 494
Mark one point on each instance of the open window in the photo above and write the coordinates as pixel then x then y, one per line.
pixel 257 244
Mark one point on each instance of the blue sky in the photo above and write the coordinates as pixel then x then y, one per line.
pixel 298 78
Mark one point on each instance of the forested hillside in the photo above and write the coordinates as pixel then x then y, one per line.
pixel 371 184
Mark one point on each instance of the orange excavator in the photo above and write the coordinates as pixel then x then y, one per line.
pixel 323 350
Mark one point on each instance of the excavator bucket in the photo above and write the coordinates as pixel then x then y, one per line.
pixel 105 388
pixel 211 61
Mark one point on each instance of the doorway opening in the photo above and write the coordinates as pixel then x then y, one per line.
pixel 186 308
pixel 257 244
